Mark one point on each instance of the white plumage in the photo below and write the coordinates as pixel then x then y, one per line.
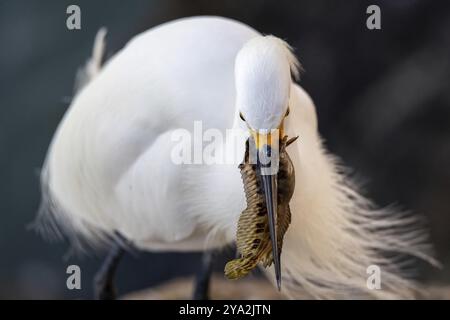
pixel 109 168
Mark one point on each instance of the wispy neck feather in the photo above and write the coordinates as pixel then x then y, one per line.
pixel 336 234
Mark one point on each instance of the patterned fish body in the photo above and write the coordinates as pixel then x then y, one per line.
pixel 253 235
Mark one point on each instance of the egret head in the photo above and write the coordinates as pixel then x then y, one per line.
pixel 263 71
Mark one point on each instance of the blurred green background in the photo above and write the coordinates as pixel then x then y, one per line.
pixel 383 99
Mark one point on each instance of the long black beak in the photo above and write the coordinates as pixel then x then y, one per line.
pixel 269 181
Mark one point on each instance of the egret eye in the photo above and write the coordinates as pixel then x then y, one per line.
pixel 241 116
pixel 287 112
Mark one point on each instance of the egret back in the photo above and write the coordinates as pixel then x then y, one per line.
pixel 109 161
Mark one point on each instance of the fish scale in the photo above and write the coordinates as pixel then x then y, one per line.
pixel 253 235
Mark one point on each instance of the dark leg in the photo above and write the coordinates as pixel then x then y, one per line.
pixel 202 279
pixel 104 288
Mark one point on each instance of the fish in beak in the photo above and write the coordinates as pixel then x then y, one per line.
pixel 269 181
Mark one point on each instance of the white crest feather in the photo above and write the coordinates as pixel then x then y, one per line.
pixel 94 63
pixel 294 64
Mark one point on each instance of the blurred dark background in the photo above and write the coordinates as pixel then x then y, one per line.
pixel 383 99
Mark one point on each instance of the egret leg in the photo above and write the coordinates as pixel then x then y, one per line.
pixel 104 288
pixel 203 277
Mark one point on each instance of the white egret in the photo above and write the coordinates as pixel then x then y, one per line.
pixel 109 168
